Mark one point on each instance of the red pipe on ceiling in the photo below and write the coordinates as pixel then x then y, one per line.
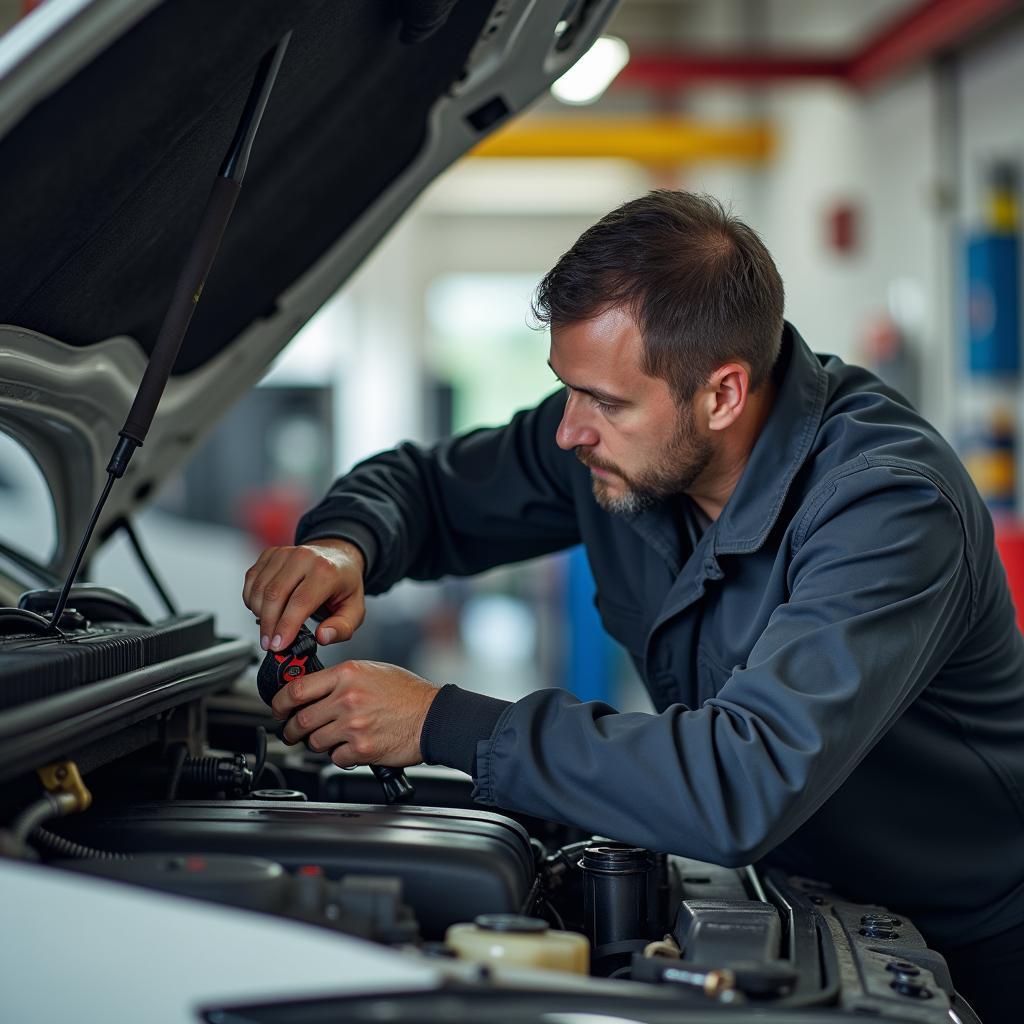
pixel 921 32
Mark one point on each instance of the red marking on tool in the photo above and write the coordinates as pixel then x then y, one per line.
pixel 294 669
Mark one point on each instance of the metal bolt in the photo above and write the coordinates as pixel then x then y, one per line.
pixel 903 967
pixel 911 987
pixel 880 921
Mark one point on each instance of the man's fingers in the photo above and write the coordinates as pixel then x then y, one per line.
pixel 343 757
pixel 327 737
pixel 303 690
pixel 252 575
pixel 303 599
pixel 288 600
pixel 266 591
pixel 363 712
pixel 287 585
pixel 342 623
pixel 308 720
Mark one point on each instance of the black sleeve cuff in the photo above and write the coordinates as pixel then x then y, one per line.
pixel 345 529
pixel 456 721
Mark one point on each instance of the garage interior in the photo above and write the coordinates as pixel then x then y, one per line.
pixel 876 146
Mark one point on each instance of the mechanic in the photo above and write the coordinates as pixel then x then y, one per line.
pixel 798 563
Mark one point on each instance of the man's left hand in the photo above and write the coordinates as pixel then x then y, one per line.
pixel 364 712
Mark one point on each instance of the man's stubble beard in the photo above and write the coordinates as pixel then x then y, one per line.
pixel 685 457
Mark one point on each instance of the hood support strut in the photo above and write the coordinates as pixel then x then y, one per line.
pixel 187 291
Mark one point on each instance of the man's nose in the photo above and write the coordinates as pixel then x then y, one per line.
pixel 575 431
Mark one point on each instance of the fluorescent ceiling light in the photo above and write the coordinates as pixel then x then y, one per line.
pixel 588 78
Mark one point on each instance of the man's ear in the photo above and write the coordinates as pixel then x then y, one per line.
pixel 727 391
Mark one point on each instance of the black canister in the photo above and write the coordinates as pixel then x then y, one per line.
pixel 616 890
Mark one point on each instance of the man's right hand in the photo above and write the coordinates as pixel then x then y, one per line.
pixel 286 585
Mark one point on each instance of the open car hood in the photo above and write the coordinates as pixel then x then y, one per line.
pixel 114 117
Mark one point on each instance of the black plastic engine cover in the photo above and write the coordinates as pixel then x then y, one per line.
pixel 453 864
pixel 34 667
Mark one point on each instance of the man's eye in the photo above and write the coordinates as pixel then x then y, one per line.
pixel 605 407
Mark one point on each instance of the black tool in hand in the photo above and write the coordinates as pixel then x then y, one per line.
pixel 280 667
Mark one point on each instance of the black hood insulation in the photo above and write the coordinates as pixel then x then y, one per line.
pixel 102 185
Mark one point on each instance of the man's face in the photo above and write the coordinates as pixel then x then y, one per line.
pixel 624 425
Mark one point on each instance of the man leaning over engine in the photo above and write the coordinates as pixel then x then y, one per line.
pixel 796 560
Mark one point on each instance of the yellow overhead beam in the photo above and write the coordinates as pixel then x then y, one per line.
pixel 664 140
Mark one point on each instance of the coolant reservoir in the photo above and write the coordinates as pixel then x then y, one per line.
pixel 514 941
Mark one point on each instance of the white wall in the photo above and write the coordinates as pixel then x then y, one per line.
pixel 885 151
pixel 820 161
pixel 907 257
pixel 991 111
pixel 876 152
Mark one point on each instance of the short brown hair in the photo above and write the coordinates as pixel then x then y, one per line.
pixel 699 283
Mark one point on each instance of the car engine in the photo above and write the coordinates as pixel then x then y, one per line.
pixel 280 831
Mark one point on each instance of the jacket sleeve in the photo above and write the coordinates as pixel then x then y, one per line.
pixel 879 593
pixel 474 501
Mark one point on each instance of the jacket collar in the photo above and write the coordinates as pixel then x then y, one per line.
pixel 779 452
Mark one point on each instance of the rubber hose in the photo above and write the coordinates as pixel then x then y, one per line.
pixel 173 780
pixel 279 779
pixel 202 771
pixel 70 849
pixel 559 923
pixel 33 816
pixel 261 755
pixel 532 897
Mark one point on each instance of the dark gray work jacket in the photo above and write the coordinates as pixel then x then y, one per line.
pixel 836 672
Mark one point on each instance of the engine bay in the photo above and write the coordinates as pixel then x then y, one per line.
pixel 280 831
